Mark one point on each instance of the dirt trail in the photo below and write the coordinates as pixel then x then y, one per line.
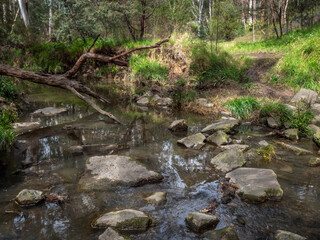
pixel 263 62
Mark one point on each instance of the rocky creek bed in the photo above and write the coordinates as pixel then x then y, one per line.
pixel 174 182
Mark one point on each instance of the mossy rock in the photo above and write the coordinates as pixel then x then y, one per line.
pixel 227 233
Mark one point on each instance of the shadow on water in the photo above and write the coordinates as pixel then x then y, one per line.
pixel 41 160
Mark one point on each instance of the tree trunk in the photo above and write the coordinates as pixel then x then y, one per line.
pixel 24 12
pixel 254 19
pixel 50 18
pixel 143 18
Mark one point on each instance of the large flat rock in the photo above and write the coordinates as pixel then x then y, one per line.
pixel 22 127
pixel 284 235
pixel 127 220
pixel 256 184
pixel 228 160
pixel 199 222
pixel 104 172
pixel 49 111
pixel 218 138
pixel 224 125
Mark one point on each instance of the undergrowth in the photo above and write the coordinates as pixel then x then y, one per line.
pixel 7 135
pixel 243 107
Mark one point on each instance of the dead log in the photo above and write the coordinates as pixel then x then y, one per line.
pixel 66 81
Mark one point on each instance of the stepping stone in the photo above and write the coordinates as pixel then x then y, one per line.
pixel 256 184
pixel 111 234
pixel 105 172
pixel 195 141
pixel 158 198
pixel 227 233
pixel 49 111
pixel 242 147
pixel 179 126
pixel 29 197
pixel 199 222
pixel 219 138
pixel 284 235
pixel 224 125
pixel 291 134
pixel 228 160
pixel 127 220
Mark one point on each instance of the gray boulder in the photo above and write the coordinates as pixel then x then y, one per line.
pixel 291 134
pixel 128 220
pixel 314 162
pixel 256 184
pixel 199 222
pixel 22 127
pixel 111 234
pixel 227 233
pixel 143 101
pixel 49 111
pixel 284 235
pixel 218 138
pixel 228 160
pixel 195 141
pixel 315 108
pixel 29 197
pixel 164 102
pixel 179 126
pixel 158 198
pixel 272 123
pixel 103 172
pixel 305 95
pixel 297 150
pixel 263 143
pixel 224 124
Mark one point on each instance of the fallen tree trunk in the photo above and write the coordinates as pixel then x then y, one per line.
pixel 65 81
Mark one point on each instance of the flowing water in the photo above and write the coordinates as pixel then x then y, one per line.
pixel 40 160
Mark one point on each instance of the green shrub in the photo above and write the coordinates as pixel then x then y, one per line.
pixel 243 107
pixel 147 69
pixel 278 111
pixel 7 134
pixel 8 88
pixel 213 68
pixel 267 152
pixel 302 118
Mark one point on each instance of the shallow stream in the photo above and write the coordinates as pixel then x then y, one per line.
pixel 40 160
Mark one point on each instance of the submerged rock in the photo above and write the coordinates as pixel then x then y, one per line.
pixel 127 220
pixel 199 222
pixel 103 172
pixel 194 141
pixel 23 127
pixel 242 147
pixel 218 138
pixel 29 197
pixel 296 150
pixel 227 233
pixel 314 162
pixel 225 125
pixel 272 123
pixel 49 111
pixel 256 184
pixel 308 96
pixel 291 134
pixel 284 235
pixel 75 150
pixel 228 160
pixel 158 198
pixel 179 126
pixel 111 234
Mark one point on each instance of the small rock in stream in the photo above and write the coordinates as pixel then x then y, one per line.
pixel 199 222
pixel 219 138
pixel 225 125
pixel 242 147
pixel 263 143
pixel 272 123
pixel 29 197
pixel 291 134
pixel 111 234
pixel 297 150
pixel 284 235
pixel 195 141
pixel 227 233
pixel 22 127
pixel 179 126
pixel 158 198
pixel 127 220
pixel 228 160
